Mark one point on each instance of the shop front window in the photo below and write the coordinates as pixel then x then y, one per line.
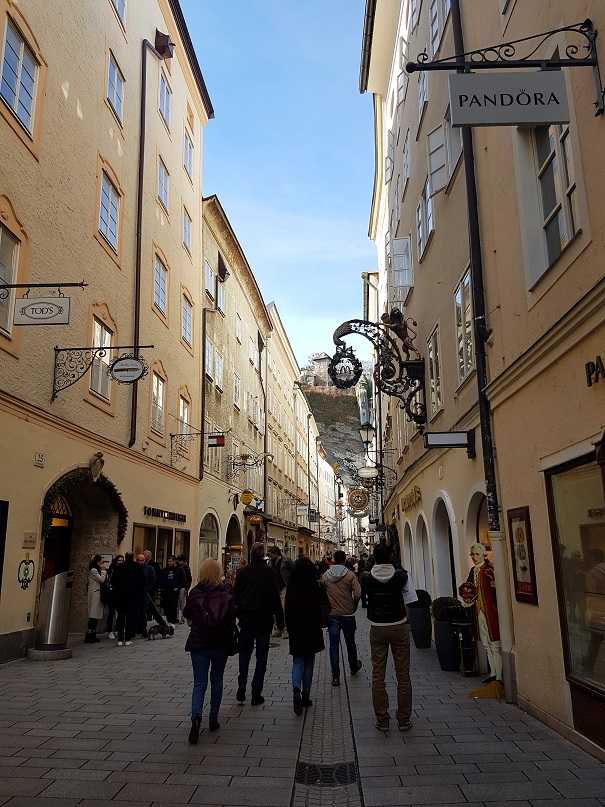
pixel 578 506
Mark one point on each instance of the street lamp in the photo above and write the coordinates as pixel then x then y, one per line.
pixel 367 433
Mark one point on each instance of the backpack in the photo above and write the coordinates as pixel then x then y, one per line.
pixel 214 608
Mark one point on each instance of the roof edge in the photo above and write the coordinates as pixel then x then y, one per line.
pixel 181 24
pixel 366 44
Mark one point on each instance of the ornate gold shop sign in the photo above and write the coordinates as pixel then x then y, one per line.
pixel 411 499
pixel 358 499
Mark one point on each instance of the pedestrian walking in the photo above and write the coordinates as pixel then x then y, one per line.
pixel 172 579
pixel 384 588
pixel 210 612
pixel 128 588
pixel 188 579
pixel 344 591
pixel 257 603
pixel 97 575
pixel 282 569
pixel 118 560
pixel 151 574
pixel 362 567
pixel 307 607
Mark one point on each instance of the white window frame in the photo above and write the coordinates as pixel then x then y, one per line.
pixel 165 99
pixel 220 296
pixel 20 86
pixel 237 391
pixel 238 327
pixel 453 143
pixel 188 152
pixel 158 403
pixel 437 159
pixel 401 275
pixel 109 211
pixel 115 97
pixel 160 285
pixel 219 366
pixel 184 413
pixel 406 161
pixel 209 360
pixel 187 320
pixel 423 94
pixel 425 219
pixel 187 222
pixel 100 381
pixel 465 347
pixel 209 280
pixel 163 184
pixel 433 353
pixel 8 277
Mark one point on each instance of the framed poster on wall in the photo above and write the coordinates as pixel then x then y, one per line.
pixel 522 554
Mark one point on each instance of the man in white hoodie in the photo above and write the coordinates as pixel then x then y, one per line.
pixel 384 588
pixel 343 591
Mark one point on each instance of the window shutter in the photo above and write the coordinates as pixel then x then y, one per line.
pixel 437 160
pixel 401 272
pixel 389 161
pixel 402 87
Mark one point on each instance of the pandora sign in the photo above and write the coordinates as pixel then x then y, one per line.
pixel 508 99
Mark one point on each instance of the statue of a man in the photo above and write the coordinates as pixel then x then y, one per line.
pixel 479 593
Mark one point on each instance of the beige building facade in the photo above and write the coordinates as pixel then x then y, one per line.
pixel 541 228
pixel 85 462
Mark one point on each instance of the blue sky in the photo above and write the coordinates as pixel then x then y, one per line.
pixel 290 152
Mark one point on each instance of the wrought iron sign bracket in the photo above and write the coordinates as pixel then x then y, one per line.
pixel 6 288
pixel 72 363
pixel 179 444
pixel 505 56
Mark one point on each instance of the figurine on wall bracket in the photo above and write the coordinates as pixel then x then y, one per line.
pixel 479 593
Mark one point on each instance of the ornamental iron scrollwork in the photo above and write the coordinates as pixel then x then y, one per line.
pixel 398 369
pixel 179 444
pixel 72 363
pixel 521 53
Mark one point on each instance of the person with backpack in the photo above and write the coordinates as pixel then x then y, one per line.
pixel 307 609
pixel 282 569
pixel 210 612
pixel 344 591
pixel 257 602
pixel 384 588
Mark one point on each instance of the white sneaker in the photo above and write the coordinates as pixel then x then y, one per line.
pixel 111 635
pixel 120 644
pixel 128 644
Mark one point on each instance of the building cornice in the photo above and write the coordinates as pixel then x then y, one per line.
pixel 179 18
pixel 366 44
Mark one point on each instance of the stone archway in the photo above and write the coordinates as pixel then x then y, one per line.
pixel 209 538
pixel 82 517
pixel 424 577
pixel 443 545
pixel 408 550
pixel 477 526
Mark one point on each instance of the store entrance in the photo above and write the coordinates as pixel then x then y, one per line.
pixel 57 543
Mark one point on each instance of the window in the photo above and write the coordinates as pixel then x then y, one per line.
pixel 186 230
pixel 187 322
pixel 434 371
pixel 120 7
pixel 160 285
pixel 209 281
pixel 188 155
pixel 397 210
pixel 438 14
pixel 437 156
pixel 99 377
pixel 389 160
pixel 400 277
pixel 414 13
pixel 424 219
pixel 238 328
pixel 220 296
pixel 109 212
pixel 157 403
pixel 209 358
pixel 237 390
pixel 165 99
pixel 218 370
pixel 464 327
pixel 163 183
pixel 406 160
pixel 557 187
pixel 115 87
pixel 184 408
pixel 8 271
pixel 453 143
pixel 402 87
pixel 19 71
pixel 423 93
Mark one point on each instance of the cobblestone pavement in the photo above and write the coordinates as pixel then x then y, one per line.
pixel 110 726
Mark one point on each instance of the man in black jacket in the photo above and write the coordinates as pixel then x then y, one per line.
pixel 257 602
pixel 383 587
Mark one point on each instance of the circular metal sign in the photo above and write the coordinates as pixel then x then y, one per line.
pixel 127 369
pixel 247 497
pixel 358 499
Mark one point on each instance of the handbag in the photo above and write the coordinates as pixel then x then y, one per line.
pixel 233 648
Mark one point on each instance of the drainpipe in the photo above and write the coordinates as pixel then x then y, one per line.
pixel 481 335
pixel 200 475
pixel 162 50
pixel 309 416
pixel 318 494
pixel 262 386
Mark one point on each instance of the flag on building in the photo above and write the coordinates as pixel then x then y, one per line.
pixel 216 440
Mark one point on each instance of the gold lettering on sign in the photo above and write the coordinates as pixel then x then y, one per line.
pixel 411 499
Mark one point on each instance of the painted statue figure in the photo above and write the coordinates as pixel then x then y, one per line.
pixel 479 593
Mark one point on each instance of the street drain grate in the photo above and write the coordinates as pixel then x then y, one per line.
pixel 339 775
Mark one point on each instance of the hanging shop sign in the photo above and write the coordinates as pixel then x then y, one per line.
pixel 216 440
pixel 42 311
pixel 452 440
pixel 256 521
pixel 302 510
pixel 358 499
pixel 127 369
pixel 504 99
pixel 247 497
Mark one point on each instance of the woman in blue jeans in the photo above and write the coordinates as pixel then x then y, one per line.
pixel 307 608
pixel 210 612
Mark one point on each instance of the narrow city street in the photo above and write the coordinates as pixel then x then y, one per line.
pixel 110 725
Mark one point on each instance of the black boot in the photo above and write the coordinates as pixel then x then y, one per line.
pixel 306 700
pixel 298 706
pixel 213 724
pixel 194 734
pixel 90 638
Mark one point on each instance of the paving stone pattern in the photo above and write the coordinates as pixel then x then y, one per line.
pixel 110 725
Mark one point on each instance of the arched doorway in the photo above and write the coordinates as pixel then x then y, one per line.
pixel 408 551
pixel 423 558
pixel 234 548
pixel 445 571
pixel 209 537
pixel 476 522
pixel 82 516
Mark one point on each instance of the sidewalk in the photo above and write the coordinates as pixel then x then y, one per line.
pixel 110 727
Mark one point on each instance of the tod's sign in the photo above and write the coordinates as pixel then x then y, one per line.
pixel 501 99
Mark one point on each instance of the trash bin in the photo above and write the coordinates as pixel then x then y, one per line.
pixel 53 612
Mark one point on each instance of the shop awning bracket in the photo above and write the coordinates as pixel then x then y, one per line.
pixel 72 363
